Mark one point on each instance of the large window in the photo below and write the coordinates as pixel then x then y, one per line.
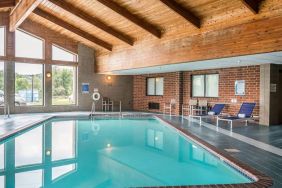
pixel 2 89
pixel 28 45
pixel 205 85
pixel 155 86
pixel 2 41
pixel 28 84
pixel 61 54
pixel 63 85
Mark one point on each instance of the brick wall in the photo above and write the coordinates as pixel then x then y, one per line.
pixel 181 90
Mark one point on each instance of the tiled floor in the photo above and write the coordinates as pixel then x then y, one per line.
pixel 264 161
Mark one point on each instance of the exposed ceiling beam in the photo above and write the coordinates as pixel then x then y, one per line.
pixel 7 3
pixel 189 16
pixel 21 11
pixel 133 18
pixel 252 5
pixel 72 28
pixel 97 23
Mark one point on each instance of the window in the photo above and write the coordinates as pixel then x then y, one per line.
pixel 61 54
pixel 28 84
pixel 28 45
pixel 63 85
pixel 205 85
pixel 2 41
pixel 2 90
pixel 155 86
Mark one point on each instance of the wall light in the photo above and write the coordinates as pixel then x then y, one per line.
pixel 109 77
pixel 48 74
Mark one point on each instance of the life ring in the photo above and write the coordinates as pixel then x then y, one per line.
pixel 96 96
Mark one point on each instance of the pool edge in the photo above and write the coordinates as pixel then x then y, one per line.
pixel 261 180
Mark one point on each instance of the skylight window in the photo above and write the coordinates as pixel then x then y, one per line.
pixel 61 54
pixel 28 46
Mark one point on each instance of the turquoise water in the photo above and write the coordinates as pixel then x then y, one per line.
pixel 108 153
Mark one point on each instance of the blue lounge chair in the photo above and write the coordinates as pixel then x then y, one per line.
pixel 245 113
pixel 214 112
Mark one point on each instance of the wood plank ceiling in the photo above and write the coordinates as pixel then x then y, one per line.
pixel 114 25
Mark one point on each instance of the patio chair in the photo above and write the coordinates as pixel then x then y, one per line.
pixel 214 112
pixel 192 105
pixel 244 114
pixel 202 107
pixel 169 106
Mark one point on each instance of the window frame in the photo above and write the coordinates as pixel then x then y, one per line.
pixel 205 82
pixel 75 81
pixel 43 87
pixel 37 37
pixel 57 46
pixel 5 40
pixel 155 89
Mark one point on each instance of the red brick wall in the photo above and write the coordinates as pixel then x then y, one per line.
pixel 171 91
pixel 173 84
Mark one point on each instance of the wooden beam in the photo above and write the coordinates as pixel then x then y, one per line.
pixel 94 21
pixel 22 10
pixel 133 18
pixel 189 16
pixel 7 3
pixel 252 5
pixel 72 29
pixel 260 36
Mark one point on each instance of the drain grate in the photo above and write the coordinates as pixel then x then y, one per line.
pixel 231 150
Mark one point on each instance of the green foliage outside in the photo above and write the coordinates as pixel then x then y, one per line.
pixel 62 82
pixel 24 82
pixel 2 80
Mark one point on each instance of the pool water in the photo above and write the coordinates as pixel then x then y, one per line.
pixel 108 153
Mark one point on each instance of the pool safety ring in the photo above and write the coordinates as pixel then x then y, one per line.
pixel 96 96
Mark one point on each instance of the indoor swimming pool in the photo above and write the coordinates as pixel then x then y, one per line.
pixel 113 152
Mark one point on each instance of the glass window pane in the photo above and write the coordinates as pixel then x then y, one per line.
pixel 62 170
pixel 63 140
pixel 29 179
pixel 2 157
pixel 159 86
pixel 2 41
pixel 63 85
pixel 28 46
pixel 2 91
pixel 62 55
pixel 28 147
pixel 28 84
pixel 151 86
pixel 212 85
pixel 198 85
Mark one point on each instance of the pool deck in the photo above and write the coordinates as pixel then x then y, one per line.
pixel 254 145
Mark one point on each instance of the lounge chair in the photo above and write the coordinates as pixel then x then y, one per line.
pixel 214 112
pixel 244 114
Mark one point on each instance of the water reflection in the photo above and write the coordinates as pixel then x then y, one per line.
pixel 107 153
pixel 63 140
pixel 24 180
pixel 2 157
pixel 28 148
pixel 59 171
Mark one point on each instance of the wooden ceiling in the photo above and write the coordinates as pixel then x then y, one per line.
pixel 115 25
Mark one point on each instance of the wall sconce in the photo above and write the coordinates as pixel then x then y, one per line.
pixel 48 74
pixel 109 77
